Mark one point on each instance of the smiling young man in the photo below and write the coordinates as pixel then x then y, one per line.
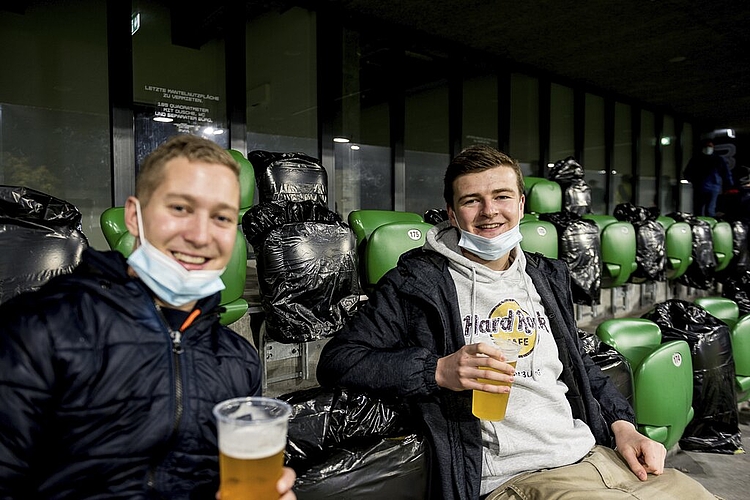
pixel 418 337
pixel 108 375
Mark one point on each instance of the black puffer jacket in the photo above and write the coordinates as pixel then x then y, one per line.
pixel 392 345
pixel 96 403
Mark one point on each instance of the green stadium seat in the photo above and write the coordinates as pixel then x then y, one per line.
pixel 618 243
pixel 720 307
pixel 539 236
pixel 542 195
pixel 662 376
pixel 364 222
pixel 678 243
pixel 386 244
pixel 741 354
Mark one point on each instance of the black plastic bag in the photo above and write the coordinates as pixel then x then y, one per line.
pixel 566 171
pixel 576 193
pixel 737 288
pixel 344 444
pixel 307 269
pixel 715 424
pixel 40 237
pixel 435 216
pixel 580 249
pixel 650 255
pixel 701 272
pixel 610 362
pixel 289 177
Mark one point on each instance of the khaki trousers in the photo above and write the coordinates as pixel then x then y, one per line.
pixel 602 474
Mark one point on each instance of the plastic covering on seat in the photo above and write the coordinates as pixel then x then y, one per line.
pixel 40 237
pixel 661 415
pixel 612 363
pixel 618 247
pixel 349 445
pixel 650 242
pixel 539 236
pixel 700 273
pixel 580 248
pixel 289 177
pixel 576 193
pixel 715 426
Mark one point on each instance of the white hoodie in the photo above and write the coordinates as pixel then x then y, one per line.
pixel 539 430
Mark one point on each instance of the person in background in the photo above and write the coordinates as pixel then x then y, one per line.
pixel 709 174
pixel 108 375
pixel 417 337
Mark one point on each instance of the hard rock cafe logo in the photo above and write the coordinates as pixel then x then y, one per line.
pixel 509 321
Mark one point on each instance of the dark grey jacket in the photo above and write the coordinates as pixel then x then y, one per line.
pixel 392 345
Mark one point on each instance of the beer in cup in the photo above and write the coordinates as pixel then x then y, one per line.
pixel 489 405
pixel 252 437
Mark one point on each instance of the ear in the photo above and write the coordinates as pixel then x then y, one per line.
pixel 451 215
pixel 522 204
pixel 131 216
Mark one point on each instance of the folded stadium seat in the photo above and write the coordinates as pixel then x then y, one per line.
pixel 678 245
pixel 618 249
pixel 741 354
pixel 721 235
pixel 118 238
pixel 364 222
pixel 542 195
pixel 539 236
pixel 662 376
pixel 720 307
pixel 386 244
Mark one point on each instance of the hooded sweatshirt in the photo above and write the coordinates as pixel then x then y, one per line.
pixel 506 304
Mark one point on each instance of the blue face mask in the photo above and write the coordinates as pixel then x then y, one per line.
pixel 171 282
pixel 490 248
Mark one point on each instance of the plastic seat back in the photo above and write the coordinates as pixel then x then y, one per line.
pixel 247 181
pixel 720 307
pixel 364 222
pixel 542 195
pixel 386 244
pixel 678 242
pixel 741 354
pixel 721 234
pixel 634 338
pixel 539 236
pixel 618 244
pixel 664 392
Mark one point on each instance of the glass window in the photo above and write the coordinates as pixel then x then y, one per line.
pixel 364 176
pixel 647 161
pixel 176 89
pixel 593 153
pixel 561 123
pixel 282 82
pixel 480 111
pixel 670 176
pixel 54 106
pixel 686 189
pixel 524 122
pixel 621 189
pixel 426 134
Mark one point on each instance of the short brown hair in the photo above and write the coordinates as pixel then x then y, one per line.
pixel 192 147
pixel 478 159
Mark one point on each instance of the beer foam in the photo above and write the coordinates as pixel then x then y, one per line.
pixel 252 442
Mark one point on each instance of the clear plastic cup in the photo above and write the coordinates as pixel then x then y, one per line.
pixel 490 405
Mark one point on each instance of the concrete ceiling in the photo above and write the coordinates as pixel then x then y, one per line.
pixel 687 57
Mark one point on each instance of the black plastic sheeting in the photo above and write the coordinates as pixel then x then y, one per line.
pixel 650 238
pixel 701 272
pixel 344 444
pixel 307 269
pixel 610 362
pixel 576 193
pixel 40 237
pixel 737 288
pixel 289 177
pixel 435 216
pixel 580 249
pixel 715 425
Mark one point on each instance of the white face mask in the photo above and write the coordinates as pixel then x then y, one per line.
pixel 171 282
pixel 708 150
pixel 490 248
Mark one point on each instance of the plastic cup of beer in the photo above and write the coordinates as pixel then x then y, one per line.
pixel 489 405
pixel 252 437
